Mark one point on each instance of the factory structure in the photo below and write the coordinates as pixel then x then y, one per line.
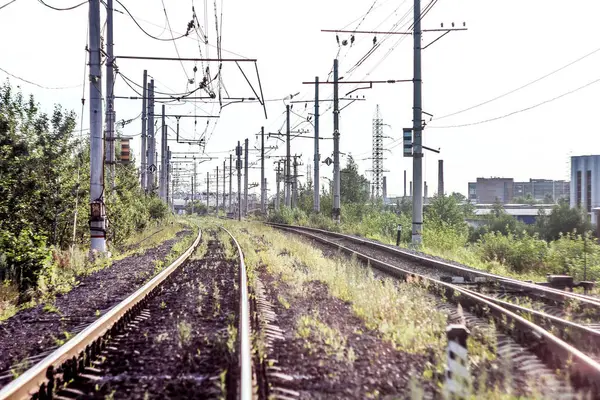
pixel 583 190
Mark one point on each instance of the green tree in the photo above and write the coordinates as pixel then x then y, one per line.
pixel 354 187
pixel 563 219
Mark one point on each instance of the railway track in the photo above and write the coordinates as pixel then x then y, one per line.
pixel 558 342
pixel 128 351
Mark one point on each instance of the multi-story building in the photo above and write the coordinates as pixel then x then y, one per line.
pixel 505 190
pixel 585 182
pixel 491 190
pixel 542 189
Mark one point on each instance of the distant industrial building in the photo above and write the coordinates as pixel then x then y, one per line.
pixel 585 182
pixel 505 190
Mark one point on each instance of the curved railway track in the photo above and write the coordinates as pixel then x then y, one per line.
pixel 571 345
pixel 74 365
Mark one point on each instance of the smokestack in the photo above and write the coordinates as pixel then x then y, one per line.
pixel 425 190
pixel 440 177
pixel 410 188
pixel 405 183
pixel 384 189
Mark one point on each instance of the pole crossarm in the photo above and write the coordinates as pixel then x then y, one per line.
pixel 329 100
pixel 359 82
pixel 185 59
pixel 366 32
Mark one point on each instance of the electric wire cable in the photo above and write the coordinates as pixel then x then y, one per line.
pixel 37 84
pixel 63 9
pixel 146 32
pixel 518 111
pixel 7 4
pixel 520 87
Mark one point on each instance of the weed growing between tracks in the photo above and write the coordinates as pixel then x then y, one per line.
pixel 401 313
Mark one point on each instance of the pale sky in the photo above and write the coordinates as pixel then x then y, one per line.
pixel 509 43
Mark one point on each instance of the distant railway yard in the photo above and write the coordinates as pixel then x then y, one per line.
pixel 229 309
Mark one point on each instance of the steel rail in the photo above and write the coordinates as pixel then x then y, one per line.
pixel 245 352
pixel 583 368
pixel 555 294
pixel 39 379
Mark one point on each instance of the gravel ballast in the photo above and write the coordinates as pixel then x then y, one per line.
pixel 31 333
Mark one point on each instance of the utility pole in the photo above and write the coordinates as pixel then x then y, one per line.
pixel 97 208
pixel 230 179
pixel 295 184
pixel 336 145
pixel 287 180
pixel 217 194
pixel 417 217
pixel 207 190
pixel 168 174
pixel 263 189
pixel 110 99
pixel 193 187
pixel 246 177
pixel 151 139
pixel 316 188
pixel 277 180
pixel 163 158
pixel 144 151
pixel 224 192
pixel 238 152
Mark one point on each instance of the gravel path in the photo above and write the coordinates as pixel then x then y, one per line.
pixel 182 345
pixel 32 333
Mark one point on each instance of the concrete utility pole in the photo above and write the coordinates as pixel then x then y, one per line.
pixel 110 99
pixel 97 208
pixel 224 192
pixel 287 180
pixel 163 158
pixel 151 140
pixel 167 165
pixel 217 194
pixel 277 180
pixel 230 180
pixel 295 184
pixel 194 187
pixel 263 189
pixel 207 190
pixel 441 178
pixel 417 217
pixel 316 187
pixel 246 177
pixel 144 150
pixel 238 152
pixel 336 145
pixel 404 183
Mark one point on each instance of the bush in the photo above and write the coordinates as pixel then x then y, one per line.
pixel 289 216
pixel 571 254
pixel 525 254
pixel 157 208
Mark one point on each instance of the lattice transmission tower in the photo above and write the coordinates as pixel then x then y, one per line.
pixel 377 157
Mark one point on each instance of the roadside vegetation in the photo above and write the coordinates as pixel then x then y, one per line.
pixel 559 243
pixel 44 204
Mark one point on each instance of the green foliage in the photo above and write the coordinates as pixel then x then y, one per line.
pixel 199 207
pixel 521 254
pixel 44 189
pixel 354 188
pixel 573 254
pixel 563 219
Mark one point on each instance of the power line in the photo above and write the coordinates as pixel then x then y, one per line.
pixel 148 34
pixel 37 84
pixel 7 4
pixel 62 9
pixel 173 38
pixel 520 87
pixel 518 111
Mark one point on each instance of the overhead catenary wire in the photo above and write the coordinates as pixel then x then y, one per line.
pixel 63 9
pixel 7 4
pixel 518 111
pixel 37 84
pixel 520 87
pixel 146 32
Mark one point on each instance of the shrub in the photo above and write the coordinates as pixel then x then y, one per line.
pixel 157 208
pixel 525 254
pixel 571 254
